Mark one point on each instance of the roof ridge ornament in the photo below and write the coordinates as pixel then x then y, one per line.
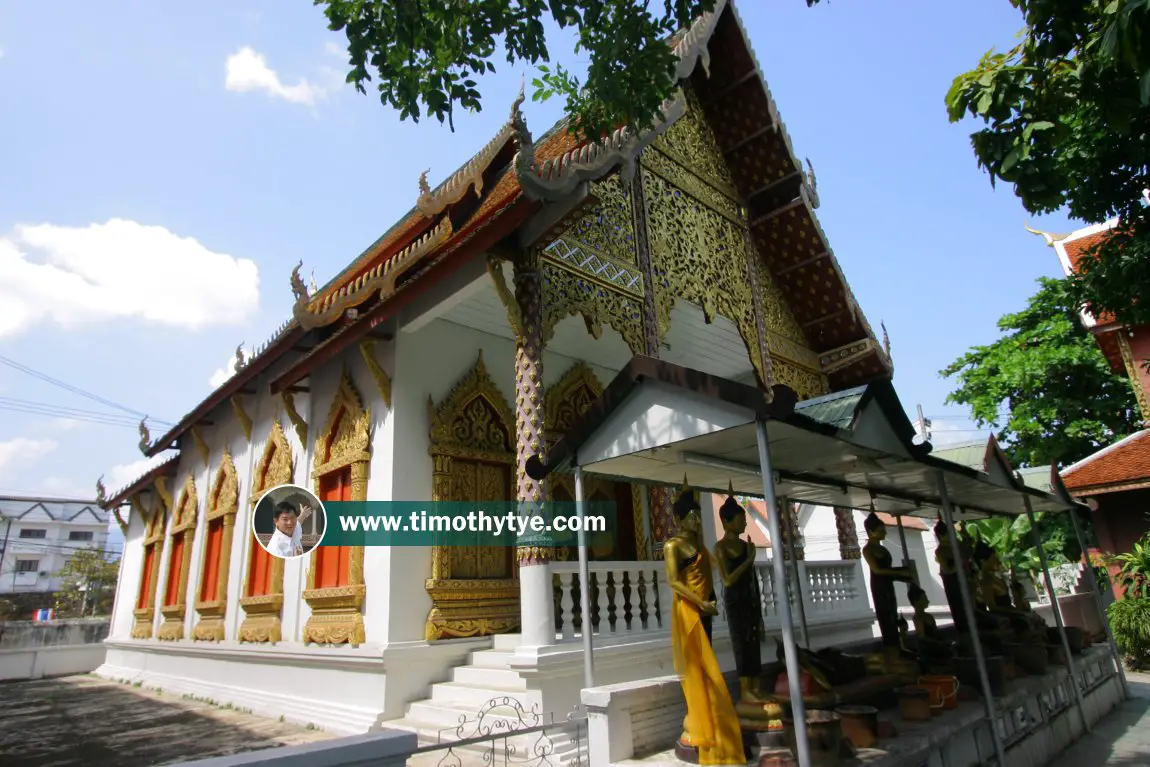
pixel 145 436
pixel 298 289
pixel 455 187
pixel 1050 238
pixel 101 493
pixel 240 362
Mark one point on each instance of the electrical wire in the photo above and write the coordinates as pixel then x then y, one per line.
pixel 76 390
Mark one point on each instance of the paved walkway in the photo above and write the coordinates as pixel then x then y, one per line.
pixel 83 721
pixel 1121 738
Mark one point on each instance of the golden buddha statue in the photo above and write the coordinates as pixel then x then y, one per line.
pixel 711 726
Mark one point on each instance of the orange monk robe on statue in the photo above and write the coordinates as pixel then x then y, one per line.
pixel 712 725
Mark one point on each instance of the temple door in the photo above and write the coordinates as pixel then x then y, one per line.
pixel 474 590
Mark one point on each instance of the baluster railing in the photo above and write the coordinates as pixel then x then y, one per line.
pixel 626 598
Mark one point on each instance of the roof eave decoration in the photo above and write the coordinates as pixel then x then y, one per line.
pixel 560 176
pixel 249 370
pixel 379 280
pixel 138 485
pixel 455 188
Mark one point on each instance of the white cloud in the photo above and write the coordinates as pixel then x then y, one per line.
pixel 120 475
pixel 248 71
pixel 222 374
pixel 21 452
pixel 334 49
pixel 66 424
pixel 121 269
pixel 61 487
pixel 1 53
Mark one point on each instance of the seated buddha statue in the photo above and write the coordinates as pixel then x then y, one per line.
pixel 931 645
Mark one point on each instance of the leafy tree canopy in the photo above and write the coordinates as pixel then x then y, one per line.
pixel 89 584
pixel 1064 401
pixel 1067 116
pixel 429 53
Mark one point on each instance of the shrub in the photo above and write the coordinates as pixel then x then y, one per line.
pixel 1130 622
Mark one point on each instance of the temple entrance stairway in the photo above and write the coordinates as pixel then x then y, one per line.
pixel 486 698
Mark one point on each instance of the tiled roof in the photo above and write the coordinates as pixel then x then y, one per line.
pixel 1121 466
pixel 908 523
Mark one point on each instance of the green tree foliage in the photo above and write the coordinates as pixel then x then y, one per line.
pixel 1013 540
pixel 89 584
pixel 430 53
pixel 1067 116
pixel 1064 401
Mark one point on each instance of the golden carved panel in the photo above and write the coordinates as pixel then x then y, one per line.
pixel 806 383
pixel 692 144
pixel 473 589
pixel 777 314
pixel 275 467
pixel 336 613
pixel 569 399
pixel 607 227
pixel 567 292
pixel 698 256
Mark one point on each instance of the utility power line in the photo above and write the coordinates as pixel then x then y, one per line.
pixel 76 390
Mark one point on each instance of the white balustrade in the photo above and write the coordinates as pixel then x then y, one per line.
pixel 626 598
pixel 632 598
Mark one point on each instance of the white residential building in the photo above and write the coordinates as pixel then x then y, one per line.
pixel 39 535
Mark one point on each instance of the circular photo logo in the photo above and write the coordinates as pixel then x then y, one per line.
pixel 289 521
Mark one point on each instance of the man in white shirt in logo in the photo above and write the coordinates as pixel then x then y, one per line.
pixel 287 540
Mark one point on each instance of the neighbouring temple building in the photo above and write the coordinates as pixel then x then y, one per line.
pixel 469 336
pixel 1115 481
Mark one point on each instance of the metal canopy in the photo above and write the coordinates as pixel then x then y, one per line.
pixel 658 422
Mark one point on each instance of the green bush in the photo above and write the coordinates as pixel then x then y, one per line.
pixel 1130 622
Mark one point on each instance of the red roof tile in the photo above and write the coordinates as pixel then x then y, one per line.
pixel 1125 463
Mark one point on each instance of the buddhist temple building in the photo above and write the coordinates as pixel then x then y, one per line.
pixel 1115 481
pixel 474 332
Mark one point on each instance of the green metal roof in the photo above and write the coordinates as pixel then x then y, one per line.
pixel 1037 477
pixel 972 454
pixel 837 409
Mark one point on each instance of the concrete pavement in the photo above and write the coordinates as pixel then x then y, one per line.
pixel 1121 738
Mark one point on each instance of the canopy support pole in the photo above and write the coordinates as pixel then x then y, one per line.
pixel 968 608
pixel 902 541
pixel 584 584
pixel 798 707
pixel 799 580
pixel 1071 666
pixel 1093 583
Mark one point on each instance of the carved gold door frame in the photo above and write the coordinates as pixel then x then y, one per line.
pixel 156 521
pixel 223 502
pixel 337 612
pixel 183 524
pixel 262 621
pixel 474 591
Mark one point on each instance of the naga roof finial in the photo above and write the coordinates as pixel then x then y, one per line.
pixel 101 492
pixel 298 289
pixel 1050 238
pixel 885 339
pixel 145 435
pixel 239 363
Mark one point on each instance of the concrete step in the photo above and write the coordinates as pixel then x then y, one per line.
pixel 474 697
pixel 490 659
pixel 494 678
pixel 506 642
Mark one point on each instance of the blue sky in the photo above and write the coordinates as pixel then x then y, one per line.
pixel 153 200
